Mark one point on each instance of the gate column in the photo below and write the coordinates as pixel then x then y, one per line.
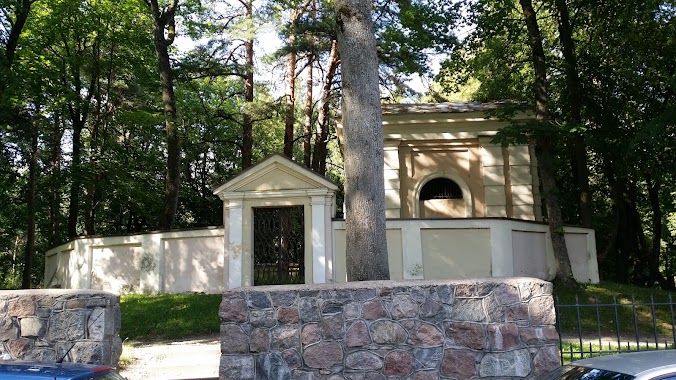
pixel 233 221
pixel 322 239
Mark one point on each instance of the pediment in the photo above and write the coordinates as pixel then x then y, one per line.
pixel 275 173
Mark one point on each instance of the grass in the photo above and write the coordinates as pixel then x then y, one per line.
pixel 599 312
pixel 169 316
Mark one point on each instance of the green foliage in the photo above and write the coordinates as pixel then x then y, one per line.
pixel 625 53
pixel 169 316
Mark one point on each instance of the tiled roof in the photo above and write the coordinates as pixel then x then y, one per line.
pixel 449 107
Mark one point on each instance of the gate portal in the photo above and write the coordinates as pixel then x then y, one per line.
pixel 279 245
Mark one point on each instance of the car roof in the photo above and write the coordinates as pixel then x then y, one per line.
pixel 634 363
pixel 39 370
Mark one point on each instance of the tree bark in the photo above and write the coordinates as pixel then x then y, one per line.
pixel 54 181
pixel 366 244
pixel 574 96
pixel 247 122
pixel 163 21
pixel 307 136
pixel 21 12
pixel 564 273
pixel 656 246
pixel 29 249
pixel 289 118
pixel 321 140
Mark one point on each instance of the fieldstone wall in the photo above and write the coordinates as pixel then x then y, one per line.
pixel 47 325
pixel 416 330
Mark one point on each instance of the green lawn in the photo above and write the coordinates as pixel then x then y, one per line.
pixel 600 312
pixel 169 316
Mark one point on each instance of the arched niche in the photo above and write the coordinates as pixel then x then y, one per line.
pixel 456 203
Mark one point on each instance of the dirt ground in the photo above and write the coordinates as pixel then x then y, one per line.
pixel 194 358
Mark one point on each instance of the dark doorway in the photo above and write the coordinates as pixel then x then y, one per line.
pixel 279 245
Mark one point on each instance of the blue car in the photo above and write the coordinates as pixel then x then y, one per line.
pixel 16 370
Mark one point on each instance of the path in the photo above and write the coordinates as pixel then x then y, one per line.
pixel 188 359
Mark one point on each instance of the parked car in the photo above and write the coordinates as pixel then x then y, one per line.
pixel 17 370
pixel 646 365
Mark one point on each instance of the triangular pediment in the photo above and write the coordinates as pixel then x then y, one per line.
pixel 275 173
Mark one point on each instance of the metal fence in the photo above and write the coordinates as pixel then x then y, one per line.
pixel 594 328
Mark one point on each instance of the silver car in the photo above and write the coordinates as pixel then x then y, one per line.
pixel 646 365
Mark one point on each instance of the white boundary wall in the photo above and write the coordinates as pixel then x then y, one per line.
pixel 195 260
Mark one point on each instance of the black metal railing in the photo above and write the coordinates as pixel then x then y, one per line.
pixel 279 245
pixel 617 327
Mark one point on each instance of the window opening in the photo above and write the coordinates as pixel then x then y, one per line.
pixel 440 188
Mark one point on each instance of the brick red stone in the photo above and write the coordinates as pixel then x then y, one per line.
pixel 234 310
pixel 503 336
pixel 471 335
pixel 310 334
pixel 18 347
pixel 398 363
pixel 287 315
pixel 517 312
pixel 323 355
pixel 404 306
pixel 459 364
pixel 535 336
pixel 234 340
pixel 506 294
pixel 373 310
pixel 357 335
pixel 427 335
pixel 22 307
pixel 260 340
pixel 546 359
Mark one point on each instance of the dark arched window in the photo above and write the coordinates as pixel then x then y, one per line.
pixel 440 188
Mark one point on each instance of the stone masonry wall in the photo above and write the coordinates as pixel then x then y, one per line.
pixel 47 325
pixel 418 330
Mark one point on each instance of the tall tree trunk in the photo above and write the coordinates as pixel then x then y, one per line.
pixel 366 245
pixel 94 148
pixel 656 246
pixel 321 140
pixel 55 188
pixel 307 136
pixel 163 21
pixel 21 12
pixel 29 251
pixel 247 122
pixel 289 118
pixel 543 150
pixel 574 95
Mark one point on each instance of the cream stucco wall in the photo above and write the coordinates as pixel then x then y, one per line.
pixel 497 181
pixel 193 264
pixel 143 263
pixel 195 261
pixel 478 247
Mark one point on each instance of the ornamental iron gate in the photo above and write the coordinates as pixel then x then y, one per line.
pixel 279 245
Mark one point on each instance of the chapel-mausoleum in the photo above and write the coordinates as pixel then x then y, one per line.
pixel 458 206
